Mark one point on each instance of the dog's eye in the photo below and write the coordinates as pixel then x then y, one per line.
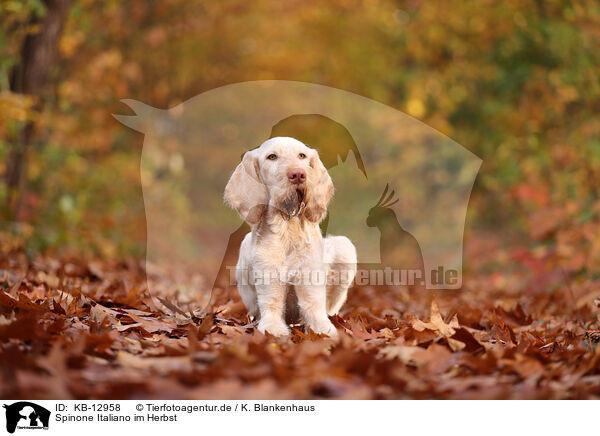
pixel 301 155
pixel 272 156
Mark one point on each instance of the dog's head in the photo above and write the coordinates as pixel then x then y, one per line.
pixel 284 174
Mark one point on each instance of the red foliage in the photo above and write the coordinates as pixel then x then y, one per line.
pixel 86 329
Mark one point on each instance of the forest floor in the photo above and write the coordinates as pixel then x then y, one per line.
pixel 523 326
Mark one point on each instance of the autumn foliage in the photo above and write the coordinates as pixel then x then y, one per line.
pixel 515 82
pixel 89 329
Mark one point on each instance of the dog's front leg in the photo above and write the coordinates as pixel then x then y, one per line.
pixel 312 299
pixel 271 300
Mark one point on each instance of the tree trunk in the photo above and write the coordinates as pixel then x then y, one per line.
pixel 29 76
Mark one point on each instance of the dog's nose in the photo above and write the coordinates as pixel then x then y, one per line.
pixel 296 175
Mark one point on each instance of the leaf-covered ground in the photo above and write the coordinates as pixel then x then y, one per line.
pixel 525 325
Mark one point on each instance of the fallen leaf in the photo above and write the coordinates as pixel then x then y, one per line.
pixel 436 322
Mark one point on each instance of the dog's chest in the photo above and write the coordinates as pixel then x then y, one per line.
pixel 299 237
pixel 294 240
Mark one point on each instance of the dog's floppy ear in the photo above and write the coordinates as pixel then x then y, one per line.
pixel 319 192
pixel 246 192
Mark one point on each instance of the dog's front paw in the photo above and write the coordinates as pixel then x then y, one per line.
pixel 325 327
pixel 274 327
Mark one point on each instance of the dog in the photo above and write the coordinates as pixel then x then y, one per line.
pixel 287 272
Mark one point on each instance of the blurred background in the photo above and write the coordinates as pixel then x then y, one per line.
pixel 515 82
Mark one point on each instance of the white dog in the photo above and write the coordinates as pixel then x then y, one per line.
pixel 286 270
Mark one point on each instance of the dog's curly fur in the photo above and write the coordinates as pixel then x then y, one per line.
pixel 287 271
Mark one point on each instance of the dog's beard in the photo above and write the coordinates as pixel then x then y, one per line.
pixel 293 203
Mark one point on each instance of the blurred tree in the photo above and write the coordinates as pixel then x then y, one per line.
pixel 29 76
pixel 516 82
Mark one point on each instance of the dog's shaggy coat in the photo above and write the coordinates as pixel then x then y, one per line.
pixel 286 271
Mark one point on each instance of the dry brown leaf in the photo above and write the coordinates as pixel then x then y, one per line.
pixel 405 353
pixel 152 325
pixel 436 322
pixel 159 364
pixel 387 333
pixel 455 345
pixel 99 314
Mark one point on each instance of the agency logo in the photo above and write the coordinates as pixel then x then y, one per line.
pixel 26 415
